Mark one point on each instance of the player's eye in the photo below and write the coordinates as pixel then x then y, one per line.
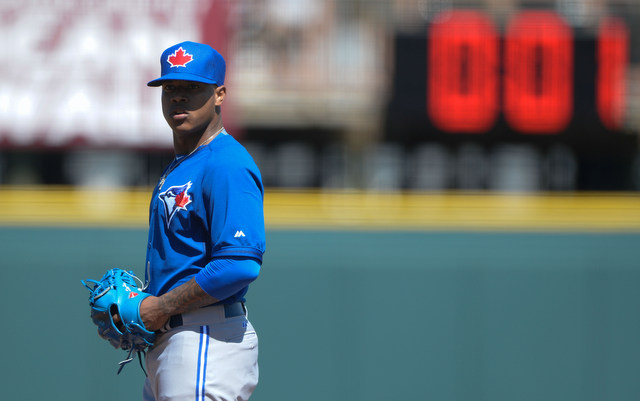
pixel 168 88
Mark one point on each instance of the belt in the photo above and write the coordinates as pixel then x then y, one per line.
pixel 231 310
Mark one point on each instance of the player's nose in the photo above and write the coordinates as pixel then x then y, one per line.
pixel 179 97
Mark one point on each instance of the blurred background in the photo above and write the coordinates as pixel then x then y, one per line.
pixel 539 95
pixel 452 190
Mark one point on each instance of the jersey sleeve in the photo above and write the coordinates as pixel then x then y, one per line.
pixel 222 278
pixel 235 207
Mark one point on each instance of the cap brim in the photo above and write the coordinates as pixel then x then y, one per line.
pixel 180 76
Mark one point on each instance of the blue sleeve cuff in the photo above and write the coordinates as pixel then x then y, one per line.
pixel 239 252
pixel 222 278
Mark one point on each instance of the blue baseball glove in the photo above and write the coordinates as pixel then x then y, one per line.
pixel 119 293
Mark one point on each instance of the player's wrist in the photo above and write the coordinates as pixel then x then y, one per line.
pixel 153 314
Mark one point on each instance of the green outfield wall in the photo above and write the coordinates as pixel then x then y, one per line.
pixel 355 314
pixel 362 295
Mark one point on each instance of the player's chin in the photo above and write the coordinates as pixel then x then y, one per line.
pixel 179 125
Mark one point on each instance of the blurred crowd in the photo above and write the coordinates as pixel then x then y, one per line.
pixel 310 84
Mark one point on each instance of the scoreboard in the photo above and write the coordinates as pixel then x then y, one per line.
pixel 534 80
pixel 530 81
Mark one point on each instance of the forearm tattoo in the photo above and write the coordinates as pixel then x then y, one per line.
pixel 188 296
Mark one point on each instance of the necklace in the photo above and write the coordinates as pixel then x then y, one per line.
pixel 164 176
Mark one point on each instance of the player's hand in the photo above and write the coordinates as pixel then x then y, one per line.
pixel 151 314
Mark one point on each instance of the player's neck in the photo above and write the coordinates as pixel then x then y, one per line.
pixel 185 145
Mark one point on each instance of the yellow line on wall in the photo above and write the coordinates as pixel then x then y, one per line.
pixel 315 209
pixel 65 206
pixel 457 211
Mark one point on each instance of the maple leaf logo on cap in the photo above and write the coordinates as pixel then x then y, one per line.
pixel 179 58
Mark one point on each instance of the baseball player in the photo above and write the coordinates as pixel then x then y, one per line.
pixel 206 240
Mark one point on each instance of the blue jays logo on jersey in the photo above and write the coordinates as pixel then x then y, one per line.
pixel 174 199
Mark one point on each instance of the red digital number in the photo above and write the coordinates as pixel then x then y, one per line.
pixel 463 65
pixel 463 72
pixel 538 97
pixel 613 56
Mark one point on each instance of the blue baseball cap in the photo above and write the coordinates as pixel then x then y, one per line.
pixel 191 61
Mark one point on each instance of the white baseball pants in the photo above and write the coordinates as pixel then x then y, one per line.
pixel 210 357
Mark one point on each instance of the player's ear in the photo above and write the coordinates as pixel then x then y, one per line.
pixel 219 93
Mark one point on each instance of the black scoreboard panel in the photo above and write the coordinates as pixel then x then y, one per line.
pixel 535 81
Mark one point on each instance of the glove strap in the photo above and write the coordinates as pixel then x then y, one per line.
pixel 130 358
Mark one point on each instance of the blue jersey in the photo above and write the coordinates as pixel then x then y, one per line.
pixel 210 205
